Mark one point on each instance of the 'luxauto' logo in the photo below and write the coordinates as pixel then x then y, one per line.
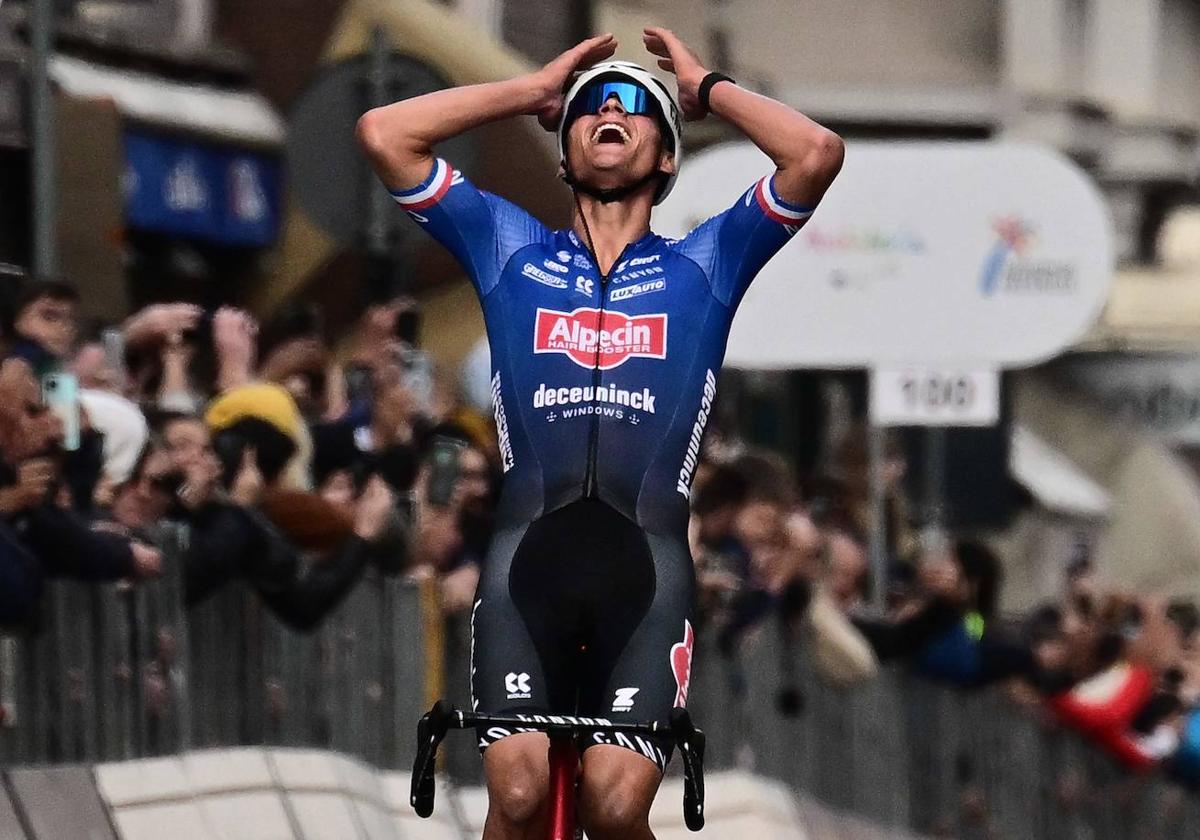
pixel 1011 269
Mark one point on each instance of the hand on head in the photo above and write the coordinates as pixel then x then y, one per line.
pixel 553 78
pixel 673 55
pixel 679 59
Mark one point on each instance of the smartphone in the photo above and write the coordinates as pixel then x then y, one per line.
pixel 170 483
pixel 358 383
pixel 443 470
pixel 417 370
pixel 114 357
pixel 408 326
pixel 60 393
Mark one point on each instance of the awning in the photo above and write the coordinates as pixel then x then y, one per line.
pixel 1149 309
pixel 1056 483
pixel 241 117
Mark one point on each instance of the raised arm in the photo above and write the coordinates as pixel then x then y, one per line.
pixel 807 156
pixel 399 138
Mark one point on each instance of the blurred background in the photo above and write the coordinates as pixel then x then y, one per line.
pixel 247 457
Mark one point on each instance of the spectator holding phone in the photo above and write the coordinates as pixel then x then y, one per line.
pixel 40 537
pixel 222 497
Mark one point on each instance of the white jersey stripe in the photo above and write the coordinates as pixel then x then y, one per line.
pixel 786 213
pixel 437 180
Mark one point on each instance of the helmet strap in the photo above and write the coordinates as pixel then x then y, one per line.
pixel 607 196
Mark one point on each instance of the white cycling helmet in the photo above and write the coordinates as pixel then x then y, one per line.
pixel 644 79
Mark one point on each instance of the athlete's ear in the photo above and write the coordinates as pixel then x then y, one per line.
pixel 562 170
pixel 666 163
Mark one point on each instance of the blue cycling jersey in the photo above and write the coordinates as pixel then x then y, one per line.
pixel 602 385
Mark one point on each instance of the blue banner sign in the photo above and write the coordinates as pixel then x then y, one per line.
pixel 201 191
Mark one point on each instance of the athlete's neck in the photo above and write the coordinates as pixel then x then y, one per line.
pixel 613 225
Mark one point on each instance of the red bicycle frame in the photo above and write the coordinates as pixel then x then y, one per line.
pixel 564 774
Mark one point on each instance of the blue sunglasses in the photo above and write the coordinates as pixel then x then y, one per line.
pixel 635 99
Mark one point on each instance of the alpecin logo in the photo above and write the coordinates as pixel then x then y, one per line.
pixel 589 336
pixel 1010 269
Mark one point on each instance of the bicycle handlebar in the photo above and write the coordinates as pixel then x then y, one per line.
pixel 439 720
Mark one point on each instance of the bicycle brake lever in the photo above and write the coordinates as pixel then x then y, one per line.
pixel 431 729
pixel 691 749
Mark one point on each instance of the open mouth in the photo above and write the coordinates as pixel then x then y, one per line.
pixel 610 133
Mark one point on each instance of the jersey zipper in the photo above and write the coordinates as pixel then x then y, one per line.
pixel 591 485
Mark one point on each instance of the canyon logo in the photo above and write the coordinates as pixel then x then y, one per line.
pixel 592 338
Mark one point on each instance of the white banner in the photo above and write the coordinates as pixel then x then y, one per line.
pixel 977 254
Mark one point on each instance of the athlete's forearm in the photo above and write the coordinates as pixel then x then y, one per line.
pixel 399 138
pixel 807 155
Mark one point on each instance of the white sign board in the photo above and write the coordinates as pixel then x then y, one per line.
pixel 981 254
pixel 1159 391
pixel 922 396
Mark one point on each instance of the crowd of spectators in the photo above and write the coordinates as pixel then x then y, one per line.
pixel 299 462
pixel 296 463
pixel 775 554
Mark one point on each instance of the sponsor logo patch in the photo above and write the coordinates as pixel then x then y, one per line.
pixel 1012 268
pixel 584 286
pixel 507 460
pixel 557 267
pixel 563 256
pixel 592 338
pixel 692 456
pixel 580 261
pixel 564 720
pixel 546 396
pixel 636 261
pixel 517 686
pixel 681 664
pixel 545 278
pixel 638 273
pixel 638 289
pixel 623 701
pixel 633 742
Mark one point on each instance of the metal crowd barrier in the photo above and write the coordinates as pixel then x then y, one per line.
pixel 904 753
pixel 115 673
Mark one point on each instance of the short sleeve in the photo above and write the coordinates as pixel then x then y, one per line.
pixel 481 230
pixel 733 246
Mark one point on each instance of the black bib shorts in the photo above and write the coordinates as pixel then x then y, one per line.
pixel 582 612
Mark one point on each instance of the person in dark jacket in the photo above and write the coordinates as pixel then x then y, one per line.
pixel 21 579
pixel 952 636
pixel 231 539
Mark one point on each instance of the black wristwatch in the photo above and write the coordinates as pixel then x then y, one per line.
pixel 706 86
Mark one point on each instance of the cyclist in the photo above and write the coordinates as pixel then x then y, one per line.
pixel 606 340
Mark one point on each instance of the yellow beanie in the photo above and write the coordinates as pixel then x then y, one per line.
pixel 261 400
